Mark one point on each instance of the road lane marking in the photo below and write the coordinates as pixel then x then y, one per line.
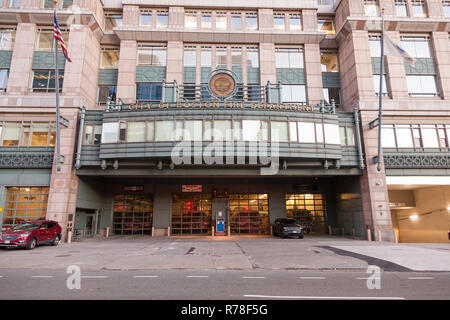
pixel 362 278
pixel 146 277
pixel 312 278
pixel 253 277
pixel 322 298
pixel 197 276
pixel 420 278
pixel 42 277
pixel 94 277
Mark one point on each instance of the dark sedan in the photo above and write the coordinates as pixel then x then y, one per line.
pixel 287 228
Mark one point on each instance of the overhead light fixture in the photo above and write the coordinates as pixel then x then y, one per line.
pixel 448 208
pixel 414 217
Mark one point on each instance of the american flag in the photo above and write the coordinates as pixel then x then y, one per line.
pixel 58 36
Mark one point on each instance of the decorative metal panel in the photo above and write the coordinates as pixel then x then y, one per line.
pixel 294 76
pixel 26 160
pixel 108 76
pixel 409 161
pixel 46 60
pixel 150 74
pixel 5 59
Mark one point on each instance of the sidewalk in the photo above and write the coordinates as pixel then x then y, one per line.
pixel 234 253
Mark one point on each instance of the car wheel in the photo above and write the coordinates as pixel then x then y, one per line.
pixel 301 236
pixel 31 244
pixel 56 240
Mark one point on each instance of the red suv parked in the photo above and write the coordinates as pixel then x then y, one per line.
pixel 30 234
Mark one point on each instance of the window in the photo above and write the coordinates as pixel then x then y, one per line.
pixel 307 132
pixel 148 92
pixel 221 57
pixel 49 4
pixel 221 20
pixel 330 94
pixel 388 136
pixel 415 136
pixel 7 37
pixel 421 85
pixel 347 136
pixel 206 57
pixel 236 57
pixel 401 8
pixel 152 55
pixel 375 46
pixel 443 141
pixel 92 134
pixel 376 85
pixel 371 8
pixel 251 21
pixel 236 20
pixel 326 25
pixel 190 19
pixel 25 134
pixel 190 57
pixel 279 21
pixel 254 130
pixel 106 93
pixel 146 18
pixel 252 57
pixel 418 8
pixel 164 130
pixel 279 131
pixel 206 20
pixel 289 57
pixel 112 21
pixel 4 76
pixel 136 131
pixel 25 204
pixel 222 130
pixel 44 80
pixel 162 18
pixel 193 130
pixel 45 40
pixel 295 22
pixel 110 132
pixel 15 3
pixel 416 47
pixel 293 93
pixel 329 62
pixel 109 58
pixel 446 7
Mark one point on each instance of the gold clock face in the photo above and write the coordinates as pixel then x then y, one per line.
pixel 222 85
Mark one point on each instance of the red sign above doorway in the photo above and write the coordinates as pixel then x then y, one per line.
pixel 191 188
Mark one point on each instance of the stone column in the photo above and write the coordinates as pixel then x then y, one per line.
pixel 131 16
pixel 81 75
pixel 374 194
pixel 441 50
pixel 176 17
pixel 22 59
pixel 268 71
pixel 355 68
pixel 395 69
pixel 434 8
pixel 265 19
pixel 309 18
pixel 126 82
pixel 313 72
pixel 175 68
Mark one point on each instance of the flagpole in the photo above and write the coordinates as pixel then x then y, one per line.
pixel 58 134
pixel 380 94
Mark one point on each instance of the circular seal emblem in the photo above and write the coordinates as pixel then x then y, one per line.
pixel 222 84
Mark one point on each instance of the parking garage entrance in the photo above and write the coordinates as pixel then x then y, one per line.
pixel 308 210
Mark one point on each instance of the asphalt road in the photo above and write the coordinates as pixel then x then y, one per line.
pixel 221 285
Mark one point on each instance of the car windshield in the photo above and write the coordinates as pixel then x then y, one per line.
pixel 288 221
pixel 26 226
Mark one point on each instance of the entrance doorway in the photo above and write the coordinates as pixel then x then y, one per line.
pixel 249 214
pixel 191 214
pixel 308 210
pixel 133 214
pixel 89 226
